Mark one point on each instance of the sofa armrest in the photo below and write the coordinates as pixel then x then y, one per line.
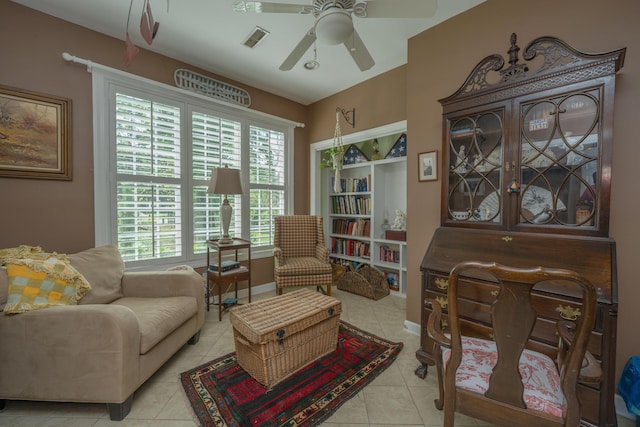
pixel 322 253
pixel 171 283
pixel 70 353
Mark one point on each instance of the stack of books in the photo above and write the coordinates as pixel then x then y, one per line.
pixel 226 266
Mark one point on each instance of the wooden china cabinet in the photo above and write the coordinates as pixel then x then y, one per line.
pixel 527 177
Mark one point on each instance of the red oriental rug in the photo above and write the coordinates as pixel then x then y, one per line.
pixel 223 394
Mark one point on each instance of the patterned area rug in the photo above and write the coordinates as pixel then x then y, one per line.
pixel 223 394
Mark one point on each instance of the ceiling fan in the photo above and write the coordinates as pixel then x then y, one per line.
pixel 334 24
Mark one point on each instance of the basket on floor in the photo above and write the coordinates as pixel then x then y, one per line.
pixel 337 271
pixel 366 281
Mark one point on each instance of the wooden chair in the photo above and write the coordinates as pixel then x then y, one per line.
pixel 501 381
pixel 300 256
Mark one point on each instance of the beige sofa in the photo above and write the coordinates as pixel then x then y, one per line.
pixel 106 346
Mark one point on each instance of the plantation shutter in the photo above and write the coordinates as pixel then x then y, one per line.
pixel 267 182
pixel 216 143
pixel 148 173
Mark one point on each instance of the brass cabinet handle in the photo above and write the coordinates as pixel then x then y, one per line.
pixel 442 283
pixel 568 312
pixel 495 293
pixel 443 302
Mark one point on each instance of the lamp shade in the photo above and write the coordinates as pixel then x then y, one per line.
pixel 225 181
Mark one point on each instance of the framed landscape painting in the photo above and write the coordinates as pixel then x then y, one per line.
pixel 34 135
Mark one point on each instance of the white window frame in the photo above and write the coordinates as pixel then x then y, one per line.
pixel 105 80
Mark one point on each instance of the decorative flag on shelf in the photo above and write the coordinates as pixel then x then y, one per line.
pixel 353 155
pixel 399 148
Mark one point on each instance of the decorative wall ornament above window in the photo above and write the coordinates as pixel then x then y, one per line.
pixel 190 80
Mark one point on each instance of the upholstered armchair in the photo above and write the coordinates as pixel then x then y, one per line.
pixel 301 258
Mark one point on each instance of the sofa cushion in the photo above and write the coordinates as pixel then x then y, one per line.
pixel 103 268
pixel 158 317
pixel 34 284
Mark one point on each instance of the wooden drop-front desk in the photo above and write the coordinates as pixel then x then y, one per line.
pixel 593 257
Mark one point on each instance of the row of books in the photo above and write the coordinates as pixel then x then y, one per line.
pixel 349 265
pixel 350 247
pixel 389 255
pixel 353 185
pixel 352 227
pixel 225 266
pixel 351 205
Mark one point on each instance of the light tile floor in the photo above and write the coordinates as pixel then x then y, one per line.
pixel 396 398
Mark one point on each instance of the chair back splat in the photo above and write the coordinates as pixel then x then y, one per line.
pixel 501 378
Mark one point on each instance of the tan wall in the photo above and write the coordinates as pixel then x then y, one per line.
pixel 441 58
pixel 378 101
pixel 58 215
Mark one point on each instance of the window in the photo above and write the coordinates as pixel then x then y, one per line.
pixel 154 148
pixel 267 158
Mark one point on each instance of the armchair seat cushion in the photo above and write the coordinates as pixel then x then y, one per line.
pixel 303 266
pixel 158 317
pixel 540 377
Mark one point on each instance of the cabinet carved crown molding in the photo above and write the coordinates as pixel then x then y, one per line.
pixel 558 64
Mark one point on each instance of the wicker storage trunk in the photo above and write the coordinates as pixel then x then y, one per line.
pixel 277 336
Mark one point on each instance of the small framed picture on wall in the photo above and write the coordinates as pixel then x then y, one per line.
pixel 428 166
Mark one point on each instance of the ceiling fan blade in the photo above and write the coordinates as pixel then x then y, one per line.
pixel 267 7
pixel 298 51
pixel 358 51
pixel 400 8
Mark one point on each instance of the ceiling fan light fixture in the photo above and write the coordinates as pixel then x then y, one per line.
pixel 333 26
pixel 311 65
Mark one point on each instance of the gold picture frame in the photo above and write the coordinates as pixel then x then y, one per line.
pixel 35 135
pixel 428 166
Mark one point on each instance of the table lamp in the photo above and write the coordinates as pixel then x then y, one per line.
pixel 225 181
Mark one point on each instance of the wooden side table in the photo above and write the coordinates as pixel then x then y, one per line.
pixel 220 278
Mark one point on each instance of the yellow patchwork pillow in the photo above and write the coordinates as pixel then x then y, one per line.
pixel 36 283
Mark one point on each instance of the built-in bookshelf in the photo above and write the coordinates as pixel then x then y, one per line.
pixel 353 218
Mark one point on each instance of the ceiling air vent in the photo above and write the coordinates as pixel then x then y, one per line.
pixel 255 37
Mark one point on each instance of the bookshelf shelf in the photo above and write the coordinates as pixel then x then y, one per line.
pixel 353 219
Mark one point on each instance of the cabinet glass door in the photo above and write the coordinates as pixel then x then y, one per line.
pixel 559 164
pixel 475 167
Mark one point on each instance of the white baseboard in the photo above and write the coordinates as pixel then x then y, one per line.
pixel 412 327
pixel 621 408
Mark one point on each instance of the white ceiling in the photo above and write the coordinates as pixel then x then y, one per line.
pixel 209 34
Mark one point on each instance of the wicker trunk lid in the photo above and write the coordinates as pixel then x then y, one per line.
pixel 277 336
